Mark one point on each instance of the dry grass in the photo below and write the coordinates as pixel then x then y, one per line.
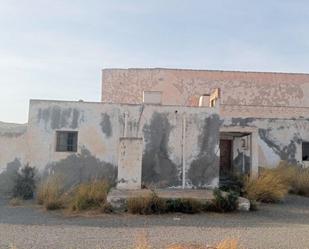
pixel 49 193
pixel 296 178
pixel 143 243
pixel 268 187
pixel 146 205
pixel 273 184
pixel 16 202
pixel 90 195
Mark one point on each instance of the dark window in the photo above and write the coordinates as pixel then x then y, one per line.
pixel 66 141
pixel 305 149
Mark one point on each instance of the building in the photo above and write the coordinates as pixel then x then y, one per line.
pixel 165 128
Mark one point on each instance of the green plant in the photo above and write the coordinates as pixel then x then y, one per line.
pixel 223 202
pixel 233 183
pixel 50 193
pixel 25 183
pixel 89 195
pixel 189 206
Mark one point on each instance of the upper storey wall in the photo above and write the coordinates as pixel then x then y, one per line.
pixel 183 87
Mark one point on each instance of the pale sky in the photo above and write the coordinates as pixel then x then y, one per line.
pixel 55 49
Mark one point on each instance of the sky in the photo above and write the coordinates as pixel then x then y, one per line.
pixel 56 49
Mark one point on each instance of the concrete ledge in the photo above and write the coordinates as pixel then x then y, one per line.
pixel 118 198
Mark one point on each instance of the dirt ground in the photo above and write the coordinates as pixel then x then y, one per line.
pixel 273 226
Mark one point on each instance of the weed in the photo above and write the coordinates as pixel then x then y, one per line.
pixel 50 193
pixel 16 202
pixel 90 195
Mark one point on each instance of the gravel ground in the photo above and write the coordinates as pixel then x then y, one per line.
pixel 273 226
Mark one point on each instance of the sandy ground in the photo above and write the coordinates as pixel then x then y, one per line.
pixel 273 226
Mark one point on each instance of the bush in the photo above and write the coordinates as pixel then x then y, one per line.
pixel 25 183
pixel 188 206
pixel 226 202
pixel 89 195
pixel 268 187
pixel 50 193
pixel 151 204
pixel 295 177
pixel 234 183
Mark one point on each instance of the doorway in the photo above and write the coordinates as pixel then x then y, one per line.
pixel 225 157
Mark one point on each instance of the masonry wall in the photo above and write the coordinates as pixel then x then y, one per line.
pixel 99 128
pixel 13 153
pixel 261 94
pixel 279 139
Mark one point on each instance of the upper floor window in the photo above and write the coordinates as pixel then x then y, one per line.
pixel 305 151
pixel 66 141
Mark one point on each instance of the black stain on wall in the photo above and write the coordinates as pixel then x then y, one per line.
pixel 106 125
pixel 8 177
pixel 82 167
pixel 157 168
pixel 58 117
pixel 205 168
pixel 285 152
pixel 242 121
pixel 241 163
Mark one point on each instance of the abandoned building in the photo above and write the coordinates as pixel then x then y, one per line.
pixel 166 128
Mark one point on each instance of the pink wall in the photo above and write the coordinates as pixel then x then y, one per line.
pixel 273 91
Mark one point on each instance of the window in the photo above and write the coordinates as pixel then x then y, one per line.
pixel 66 141
pixel 305 149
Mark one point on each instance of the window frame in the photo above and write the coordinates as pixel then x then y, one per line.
pixel 302 151
pixel 73 144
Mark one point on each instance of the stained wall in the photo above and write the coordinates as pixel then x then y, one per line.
pixel 175 140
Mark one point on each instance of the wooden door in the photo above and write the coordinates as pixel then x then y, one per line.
pixel 225 156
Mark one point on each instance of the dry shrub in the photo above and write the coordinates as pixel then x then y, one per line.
pixel 295 177
pixel 49 193
pixel 267 187
pixel 16 202
pixel 151 204
pixel 228 244
pixel 142 241
pixel 90 195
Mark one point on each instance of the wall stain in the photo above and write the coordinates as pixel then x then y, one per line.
pixel 106 125
pixel 242 121
pixel 8 177
pixel 205 168
pixel 59 117
pixel 81 167
pixel 241 160
pixel 157 168
pixel 285 152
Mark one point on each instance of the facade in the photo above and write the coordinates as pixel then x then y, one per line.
pixel 264 116
pixel 164 128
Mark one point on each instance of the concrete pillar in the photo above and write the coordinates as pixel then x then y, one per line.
pixel 130 163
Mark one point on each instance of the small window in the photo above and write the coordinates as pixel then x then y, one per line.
pixel 305 150
pixel 66 141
